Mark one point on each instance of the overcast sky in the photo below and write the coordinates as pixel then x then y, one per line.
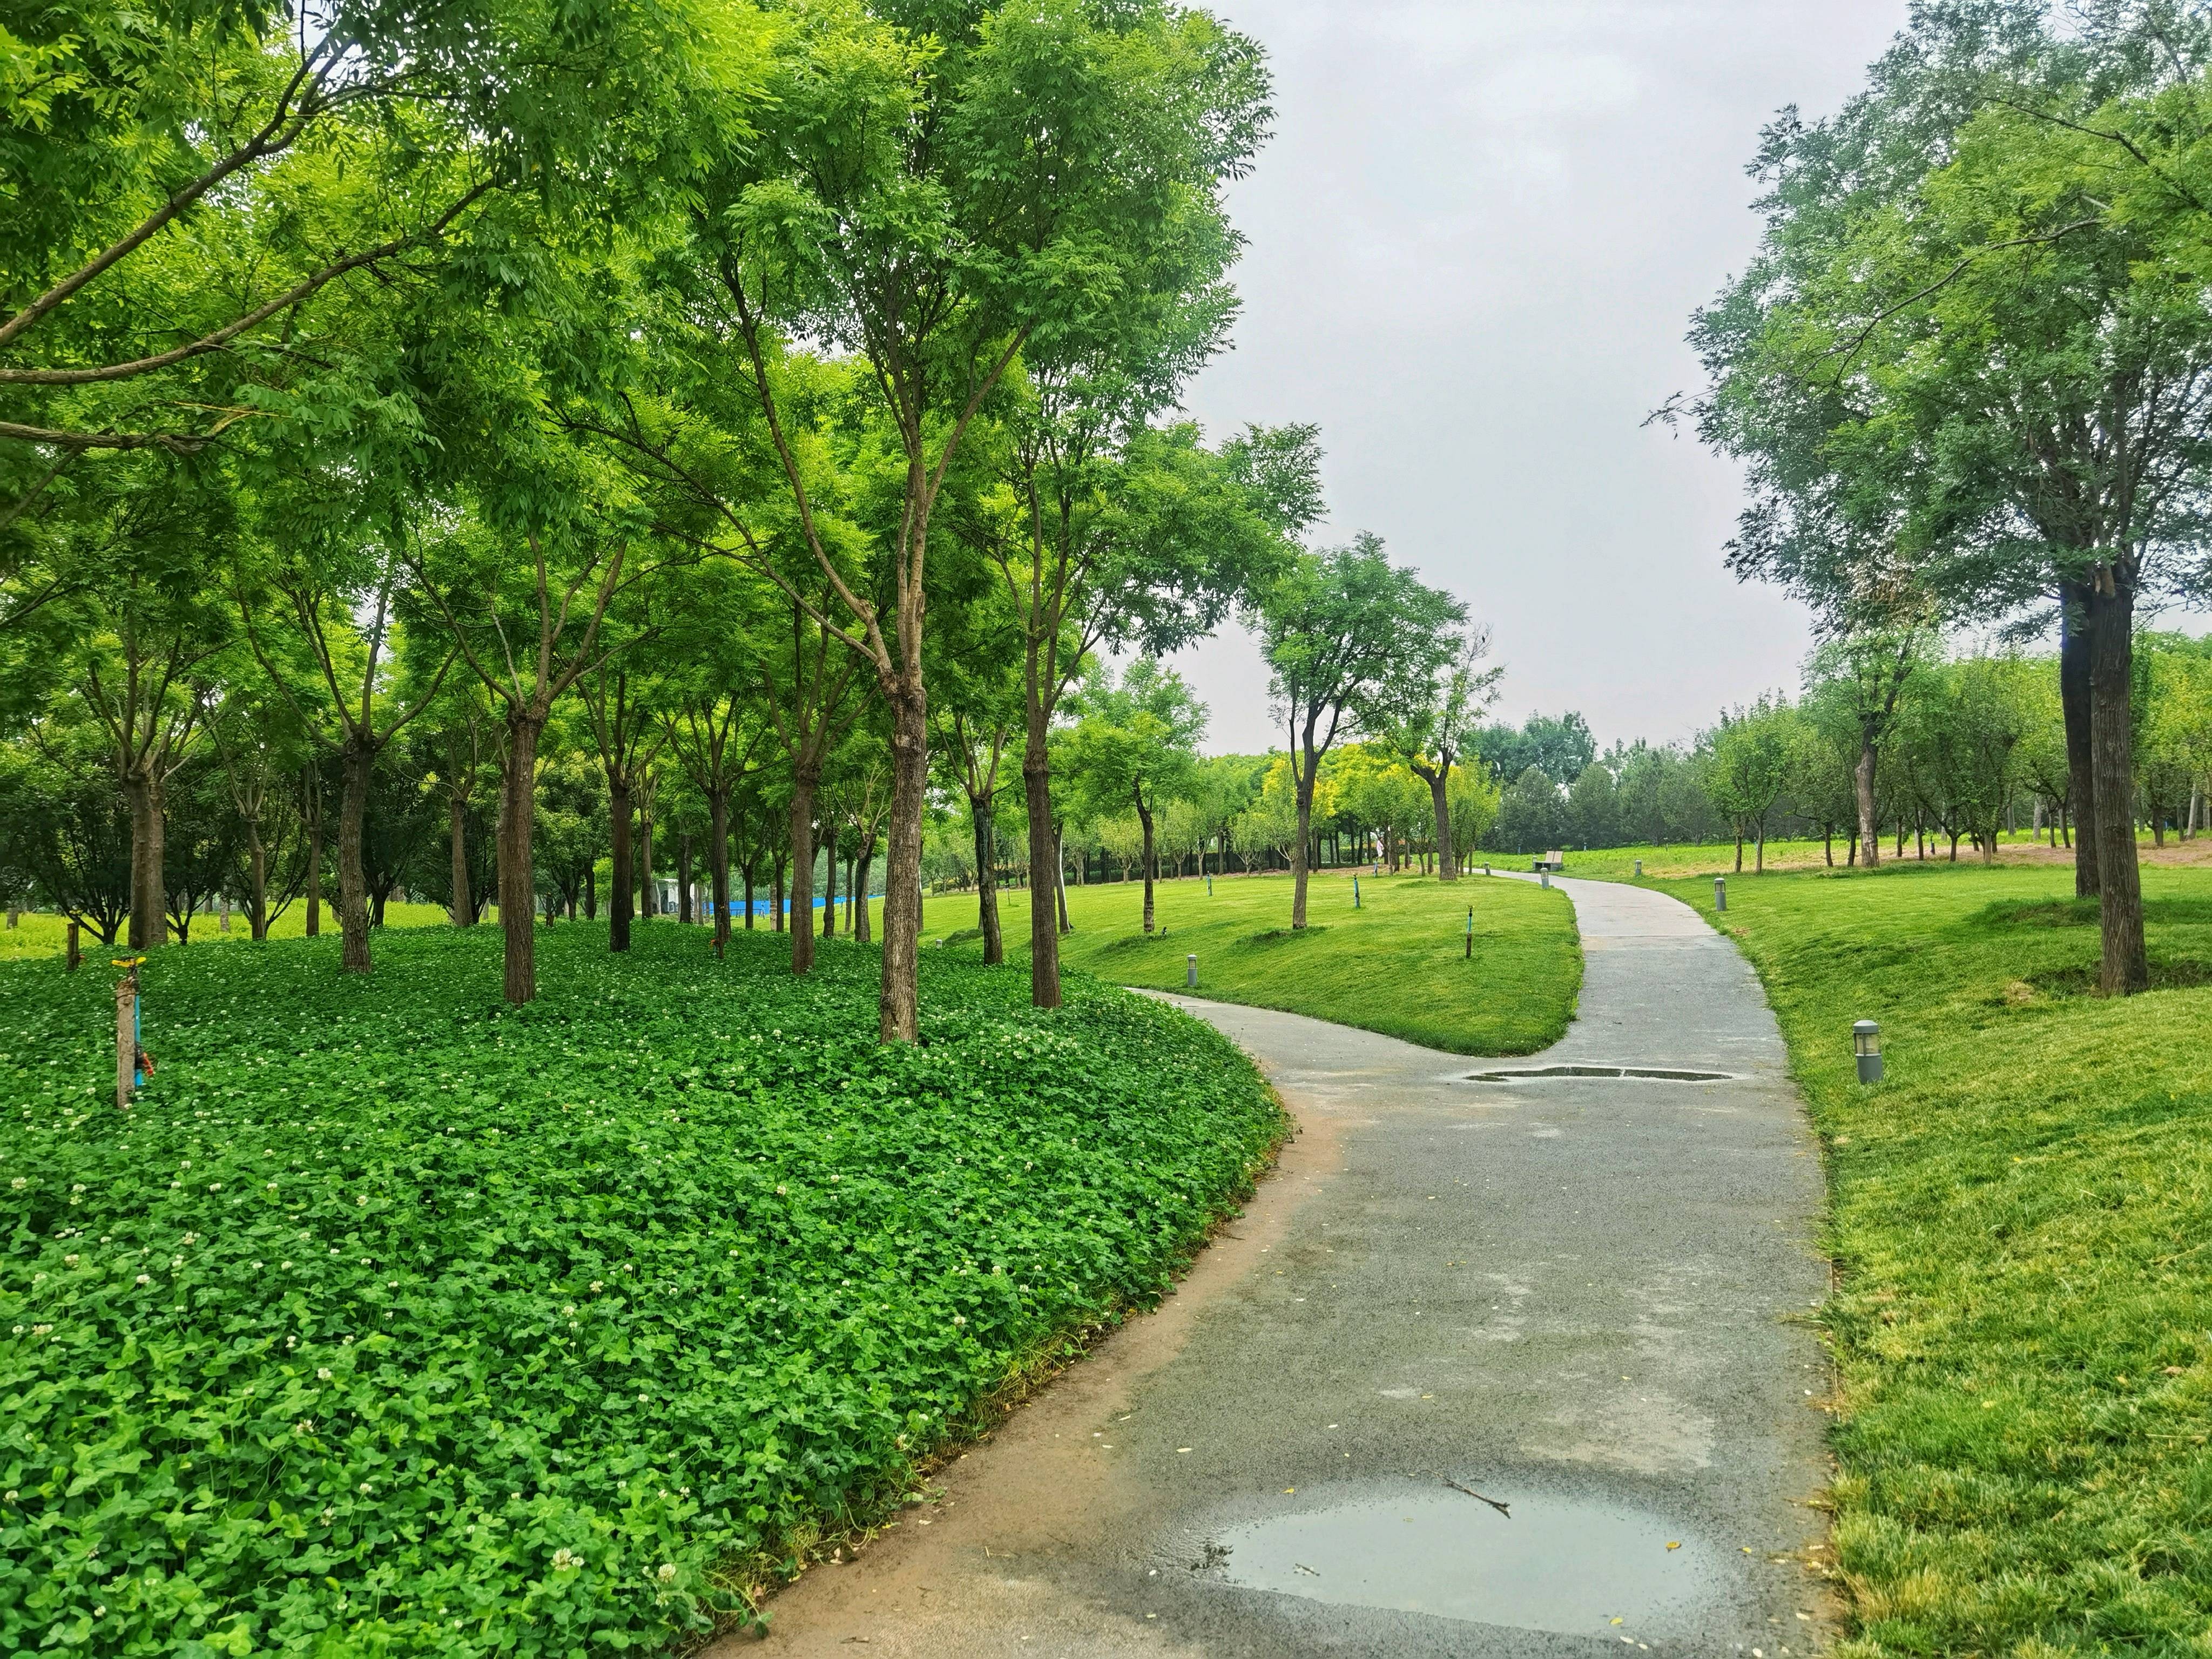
pixel 1475 242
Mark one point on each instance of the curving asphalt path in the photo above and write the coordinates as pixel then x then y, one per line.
pixel 1574 1295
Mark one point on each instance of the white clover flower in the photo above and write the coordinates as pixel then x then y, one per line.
pixel 10 1496
pixel 78 1187
pixel 19 1330
pixel 780 1188
pixel 40 1330
pixel 305 1425
pixel 597 1285
pixel 364 1486
pixel 70 1259
pixel 19 1183
pixel 667 1572
pixel 960 1319
pixel 284 1265
pixel 566 1312
pixel 145 1278
pixel 563 1558
pixel 322 1374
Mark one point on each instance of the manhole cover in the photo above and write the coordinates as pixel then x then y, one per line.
pixel 1655 1073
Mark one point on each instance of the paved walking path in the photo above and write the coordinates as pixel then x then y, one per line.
pixel 1571 1295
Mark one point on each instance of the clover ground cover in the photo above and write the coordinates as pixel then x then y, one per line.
pixel 391 1319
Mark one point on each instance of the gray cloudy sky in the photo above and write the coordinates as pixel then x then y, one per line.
pixel 1475 242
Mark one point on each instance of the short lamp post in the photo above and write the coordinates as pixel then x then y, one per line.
pixel 1355 891
pixel 1470 932
pixel 1486 869
pixel 1720 892
pixel 1639 869
pixel 1190 971
pixel 1866 1043
pixel 1544 881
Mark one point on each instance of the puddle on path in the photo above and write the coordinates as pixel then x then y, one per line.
pixel 1558 1564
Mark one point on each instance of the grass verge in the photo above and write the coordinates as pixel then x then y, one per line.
pixel 394 1320
pixel 2022 1324
pixel 1398 963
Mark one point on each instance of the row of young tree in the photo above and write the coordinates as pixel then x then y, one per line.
pixel 1969 372
pixel 747 419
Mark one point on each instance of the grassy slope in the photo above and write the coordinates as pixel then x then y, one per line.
pixel 2020 1216
pixel 1397 964
pixel 391 1320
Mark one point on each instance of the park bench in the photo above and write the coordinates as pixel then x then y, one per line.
pixel 1551 860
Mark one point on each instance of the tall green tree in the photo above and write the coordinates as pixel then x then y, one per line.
pixel 1343 633
pixel 1135 747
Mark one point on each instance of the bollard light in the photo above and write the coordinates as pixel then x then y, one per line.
pixel 1545 881
pixel 1209 887
pixel 1866 1043
pixel 1190 971
pixel 1720 892
pixel 1470 932
pixel 1355 892
pixel 1486 869
pixel 1639 869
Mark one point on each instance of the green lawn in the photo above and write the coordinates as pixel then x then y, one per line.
pixel 392 1321
pixel 2021 1217
pixel 1397 964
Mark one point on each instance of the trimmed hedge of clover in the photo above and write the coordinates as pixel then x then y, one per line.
pixel 394 1320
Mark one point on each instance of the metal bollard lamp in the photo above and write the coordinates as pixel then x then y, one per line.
pixel 1866 1043
pixel 1639 869
pixel 1190 971
pixel 1720 892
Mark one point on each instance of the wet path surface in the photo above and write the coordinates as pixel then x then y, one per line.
pixel 1569 1294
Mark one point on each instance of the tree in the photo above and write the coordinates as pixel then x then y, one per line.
pixel 1752 752
pixel 1135 745
pixel 1531 817
pixel 1431 734
pixel 1342 632
pixel 938 206
pixel 342 614
pixel 1857 683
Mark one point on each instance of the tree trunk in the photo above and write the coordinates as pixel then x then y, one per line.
pixel 257 883
pixel 775 895
pixel 986 885
pixel 1739 851
pixel 1059 894
pixel 1863 786
pixel 2076 652
pixel 618 900
pixel 312 797
pixel 751 869
pixel 457 818
pixel 863 930
pixel 648 899
pixel 592 890
pixel 1150 858
pixel 517 875
pixel 802 872
pixel 718 860
pixel 1036 795
pixel 683 878
pixel 1305 776
pixel 1440 803
pixel 2126 964
pixel 829 880
pixel 150 902
pixel 899 1013
pixel 354 761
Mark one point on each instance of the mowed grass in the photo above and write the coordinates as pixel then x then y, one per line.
pixel 2021 1218
pixel 1397 964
